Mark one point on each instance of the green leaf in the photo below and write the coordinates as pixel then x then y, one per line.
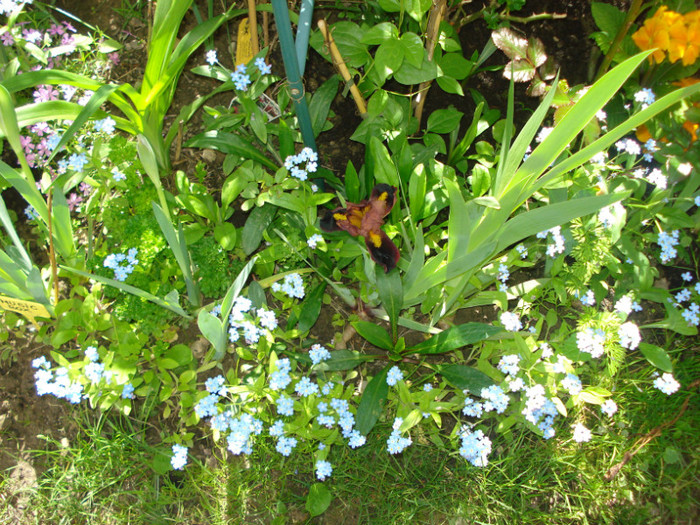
pixel 342 360
pixel 225 235
pixel 390 294
pixel 450 85
pixel 374 334
pixel 230 143
pixel 455 65
pixel 256 224
pixel 181 354
pixel 320 104
pixel 413 49
pixel 380 33
pixel 389 57
pixel 465 377
pixel 213 329
pixel 311 307
pixel 381 169
pixel 165 303
pixel 444 120
pixel 657 356
pixel 454 338
pixel 410 74
pixel 318 500
pixel 370 407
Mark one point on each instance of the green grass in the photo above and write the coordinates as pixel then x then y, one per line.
pixel 105 474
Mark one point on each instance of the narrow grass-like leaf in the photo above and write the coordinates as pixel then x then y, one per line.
pixel 176 241
pixel 546 217
pixel 230 143
pixel 130 289
pixel 373 398
pixel 454 338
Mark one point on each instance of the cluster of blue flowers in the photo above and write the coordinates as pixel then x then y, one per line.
pixel 511 321
pixel 475 447
pixel 509 364
pixel 667 384
pixel 397 443
pixel 540 410
pixel 591 341
pixel 179 458
pixel 581 433
pixel 668 243
pixel 629 335
pixel 122 264
pixel 57 384
pixel 557 245
pixel 691 314
pixel 106 125
pixel 292 285
pixel 319 354
pixel 394 376
pixel 249 321
pixel 306 156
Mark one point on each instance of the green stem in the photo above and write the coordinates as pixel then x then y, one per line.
pixel 632 15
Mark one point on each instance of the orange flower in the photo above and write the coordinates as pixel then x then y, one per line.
pixel 692 50
pixel 642 133
pixel 654 34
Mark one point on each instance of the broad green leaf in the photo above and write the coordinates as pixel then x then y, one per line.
pixel 226 235
pixel 454 338
pixel 390 291
pixel 213 329
pixel 258 221
pixel 311 308
pixel 320 104
pixel 657 356
pixel 380 33
pixel 444 120
pixel 318 500
pixel 342 360
pixel 465 377
pixel 389 57
pixel 372 402
pixel 410 74
pixel 413 48
pixel 450 85
pixel 374 334
pixel 455 65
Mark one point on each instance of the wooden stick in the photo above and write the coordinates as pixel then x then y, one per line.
pixel 342 68
pixel 253 26
pixel 437 13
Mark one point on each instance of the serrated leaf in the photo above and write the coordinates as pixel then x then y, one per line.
pixel 372 401
pixel 520 69
pixel 513 45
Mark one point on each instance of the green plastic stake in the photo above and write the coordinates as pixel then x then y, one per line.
pixel 290 52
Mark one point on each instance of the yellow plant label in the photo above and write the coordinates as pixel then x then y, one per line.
pixel 244 46
pixel 28 309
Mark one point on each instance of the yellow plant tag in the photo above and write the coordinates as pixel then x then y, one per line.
pixel 244 46
pixel 28 309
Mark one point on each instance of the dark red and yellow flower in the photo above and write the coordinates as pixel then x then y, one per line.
pixel 365 219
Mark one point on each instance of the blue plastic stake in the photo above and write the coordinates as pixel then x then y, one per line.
pixel 291 64
pixel 303 31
